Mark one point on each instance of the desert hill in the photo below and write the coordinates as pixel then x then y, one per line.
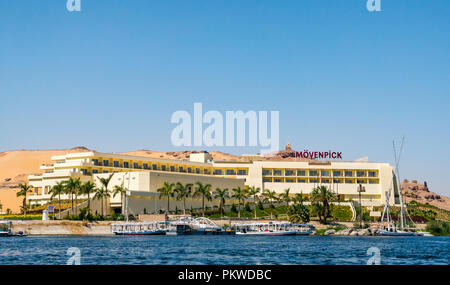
pixel 413 190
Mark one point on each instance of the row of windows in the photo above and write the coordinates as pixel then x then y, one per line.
pixel 163 167
pixel 322 180
pixel 322 173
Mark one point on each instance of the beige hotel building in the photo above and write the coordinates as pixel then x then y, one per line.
pixel 142 177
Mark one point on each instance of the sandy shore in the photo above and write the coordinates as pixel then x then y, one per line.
pixel 62 227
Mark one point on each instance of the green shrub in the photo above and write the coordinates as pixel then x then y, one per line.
pixel 439 228
pixel 341 213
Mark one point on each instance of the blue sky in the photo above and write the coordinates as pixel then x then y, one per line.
pixel 343 78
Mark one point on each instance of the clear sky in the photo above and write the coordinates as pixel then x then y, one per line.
pixel 109 77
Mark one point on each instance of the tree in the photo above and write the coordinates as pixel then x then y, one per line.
pixel 24 190
pixel 222 195
pixel 183 192
pixel 105 182
pixel 298 212
pixel 286 198
pixel 321 197
pixel 72 186
pixel 270 197
pixel 253 191
pixel 123 195
pixel 57 190
pixel 88 188
pixel 166 190
pixel 239 194
pixel 205 192
pixel 100 194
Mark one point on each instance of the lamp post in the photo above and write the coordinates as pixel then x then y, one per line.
pixel 360 190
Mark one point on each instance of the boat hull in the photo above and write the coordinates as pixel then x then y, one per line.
pixel 140 233
pixel 274 233
pixel 397 233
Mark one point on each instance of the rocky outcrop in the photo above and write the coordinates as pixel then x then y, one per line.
pixel 413 190
pixel 358 232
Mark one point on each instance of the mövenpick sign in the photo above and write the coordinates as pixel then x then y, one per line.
pixel 319 154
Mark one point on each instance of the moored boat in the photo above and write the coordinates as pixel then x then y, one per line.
pixel 6 230
pixel 265 229
pixel 139 228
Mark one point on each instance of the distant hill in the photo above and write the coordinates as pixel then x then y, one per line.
pixel 413 190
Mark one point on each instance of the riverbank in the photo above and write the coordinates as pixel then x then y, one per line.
pixel 62 227
pixel 85 228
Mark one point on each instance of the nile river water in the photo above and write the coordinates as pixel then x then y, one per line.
pixel 223 250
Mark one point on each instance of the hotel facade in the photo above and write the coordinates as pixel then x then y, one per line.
pixel 142 176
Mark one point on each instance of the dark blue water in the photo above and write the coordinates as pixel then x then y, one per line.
pixel 224 250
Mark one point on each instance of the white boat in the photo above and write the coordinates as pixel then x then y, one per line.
pixel 139 228
pixel 389 227
pixel 424 234
pixel 265 229
pixel 303 229
pixel 197 226
pixel 6 230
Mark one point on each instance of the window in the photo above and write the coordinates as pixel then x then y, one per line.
pixel 361 181
pixel 278 180
pixel 360 173
pixel 181 169
pixel 163 167
pixel 348 173
pixel 313 173
pixel 289 172
pixel 313 180
pixel 105 162
pixel 105 171
pixel 95 161
pixel 337 181
pixel 372 181
pixel 325 173
pixel 205 171
pixel 337 173
pixel 172 168
pixel 290 180
pixel 266 172
pixel 301 173
pixel 189 169
pixel 242 172
pixel 84 171
pixel 301 180
pixel 197 170
pixel 154 166
pixel 94 171
pixel 277 172
pixel 126 164
pixel 218 171
pixel 116 164
pixel 372 174
pixel 267 180
pixel 349 181
pixel 136 165
pixel 325 180
pixel 231 172
pixel 145 165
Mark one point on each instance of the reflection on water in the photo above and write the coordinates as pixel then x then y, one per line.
pixel 224 250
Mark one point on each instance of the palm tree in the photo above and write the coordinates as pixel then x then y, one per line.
pixel 123 194
pixel 253 191
pixel 270 197
pixel 183 192
pixel 221 194
pixel 72 186
pixel 105 181
pixel 166 190
pixel 205 192
pixel 99 195
pixel 321 197
pixel 88 188
pixel 286 198
pixel 57 190
pixel 24 190
pixel 240 194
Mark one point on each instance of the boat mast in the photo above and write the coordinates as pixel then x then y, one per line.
pixel 397 161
